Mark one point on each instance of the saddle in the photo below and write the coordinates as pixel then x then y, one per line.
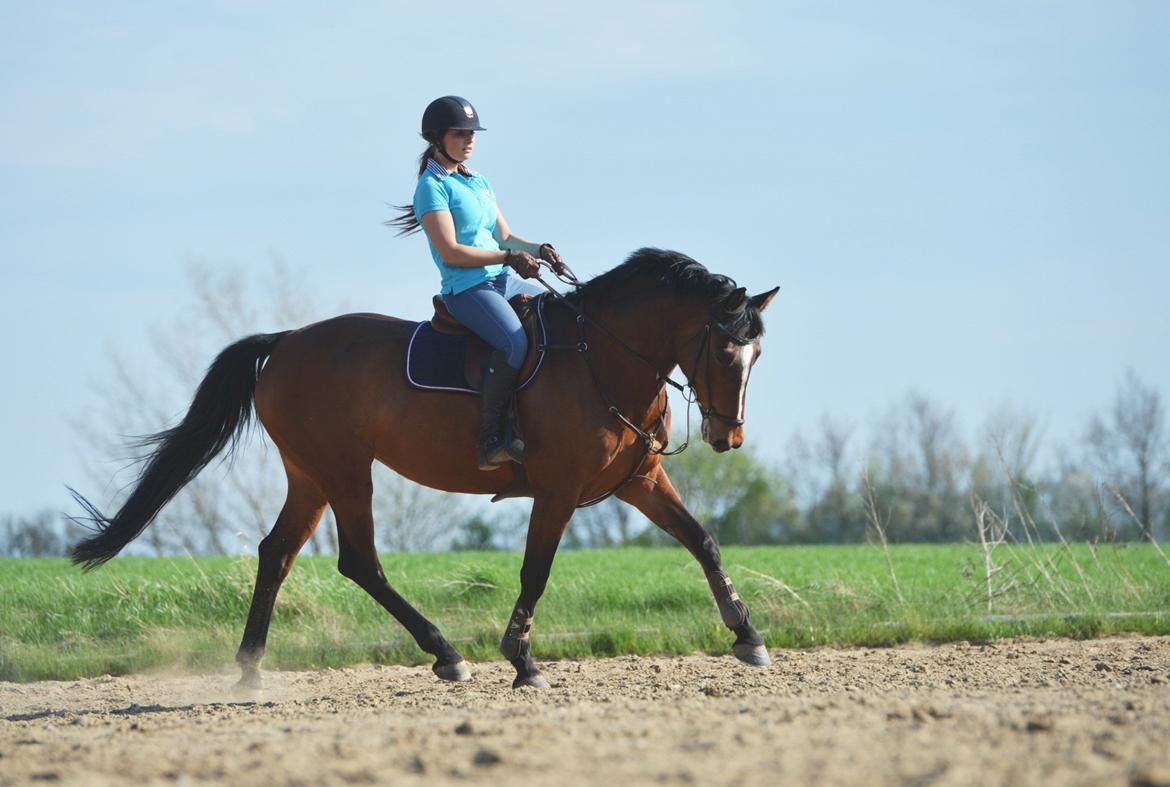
pixel 444 355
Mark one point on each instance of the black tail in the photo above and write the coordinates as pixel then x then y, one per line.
pixel 221 409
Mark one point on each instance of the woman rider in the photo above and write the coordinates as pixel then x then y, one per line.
pixel 473 247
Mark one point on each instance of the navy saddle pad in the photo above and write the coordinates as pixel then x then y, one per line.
pixel 435 361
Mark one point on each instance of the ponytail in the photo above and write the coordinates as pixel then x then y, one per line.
pixel 406 222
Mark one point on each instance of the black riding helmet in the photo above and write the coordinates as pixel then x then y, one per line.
pixel 450 112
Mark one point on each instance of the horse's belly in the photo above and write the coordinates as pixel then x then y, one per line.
pixel 430 438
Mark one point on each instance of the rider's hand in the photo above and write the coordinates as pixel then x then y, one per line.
pixel 553 258
pixel 522 262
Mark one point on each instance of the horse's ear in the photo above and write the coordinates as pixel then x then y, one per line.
pixel 735 301
pixel 762 300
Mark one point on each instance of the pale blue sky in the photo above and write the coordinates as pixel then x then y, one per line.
pixel 968 199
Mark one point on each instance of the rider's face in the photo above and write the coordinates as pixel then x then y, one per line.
pixel 459 143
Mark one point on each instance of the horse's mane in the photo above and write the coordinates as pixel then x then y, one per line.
pixel 682 274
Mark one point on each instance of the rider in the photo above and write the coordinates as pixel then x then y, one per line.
pixel 473 247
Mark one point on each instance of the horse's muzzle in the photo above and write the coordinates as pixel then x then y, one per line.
pixel 732 438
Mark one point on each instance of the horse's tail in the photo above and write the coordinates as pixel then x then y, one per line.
pixel 222 408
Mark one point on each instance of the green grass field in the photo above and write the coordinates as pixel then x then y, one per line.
pixel 143 613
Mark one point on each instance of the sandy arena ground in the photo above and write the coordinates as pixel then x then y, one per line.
pixel 1013 712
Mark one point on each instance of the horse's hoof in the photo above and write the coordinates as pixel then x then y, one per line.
pixel 248 684
pixel 536 681
pixel 756 655
pixel 459 671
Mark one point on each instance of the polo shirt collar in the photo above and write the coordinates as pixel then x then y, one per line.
pixel 438 170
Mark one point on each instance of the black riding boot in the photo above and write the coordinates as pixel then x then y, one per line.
pixel 497 444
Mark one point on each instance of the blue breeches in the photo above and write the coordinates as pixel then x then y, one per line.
pixel 484 309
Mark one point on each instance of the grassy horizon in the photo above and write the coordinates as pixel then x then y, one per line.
pixel 137 614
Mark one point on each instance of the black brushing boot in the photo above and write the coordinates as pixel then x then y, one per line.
pixel 497 445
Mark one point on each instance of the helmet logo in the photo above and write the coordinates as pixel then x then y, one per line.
pixel 467 110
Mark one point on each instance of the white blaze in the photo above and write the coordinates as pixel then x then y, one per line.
pixel 746 355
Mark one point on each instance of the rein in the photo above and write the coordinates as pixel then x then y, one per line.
pixel 651 445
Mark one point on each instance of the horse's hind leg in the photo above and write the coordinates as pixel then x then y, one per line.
pixel 657 499
pixel 298 519
pixel 358 560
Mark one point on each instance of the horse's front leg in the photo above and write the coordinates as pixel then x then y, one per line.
pixel 655 496
pixel 545 527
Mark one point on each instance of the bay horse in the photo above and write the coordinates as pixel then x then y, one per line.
pixel 333 398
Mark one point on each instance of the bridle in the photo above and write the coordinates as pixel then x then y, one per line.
pixel 708 328
pixel 652 445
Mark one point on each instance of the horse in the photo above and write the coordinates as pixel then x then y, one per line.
pixel 333 399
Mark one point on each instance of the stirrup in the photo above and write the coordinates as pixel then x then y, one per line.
pixel 492 453
pixel 500 448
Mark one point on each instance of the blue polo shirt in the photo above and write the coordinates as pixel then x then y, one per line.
pixel 472 204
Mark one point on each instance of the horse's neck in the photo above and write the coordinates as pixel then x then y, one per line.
pixel 652 328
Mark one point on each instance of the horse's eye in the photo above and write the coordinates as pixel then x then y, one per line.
pixel 726 356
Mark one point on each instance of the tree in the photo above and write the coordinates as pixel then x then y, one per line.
pixel 1003 474
pixel 1073 499
pixel 764 512
pixel 413 518
pixel 917 465
pixel 476 533
pixel 1128 449
pixel 736 496
pixel 823 471
pixel 43 534
pixel 610 523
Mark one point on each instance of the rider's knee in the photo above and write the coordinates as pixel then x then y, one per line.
pixel 517 348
